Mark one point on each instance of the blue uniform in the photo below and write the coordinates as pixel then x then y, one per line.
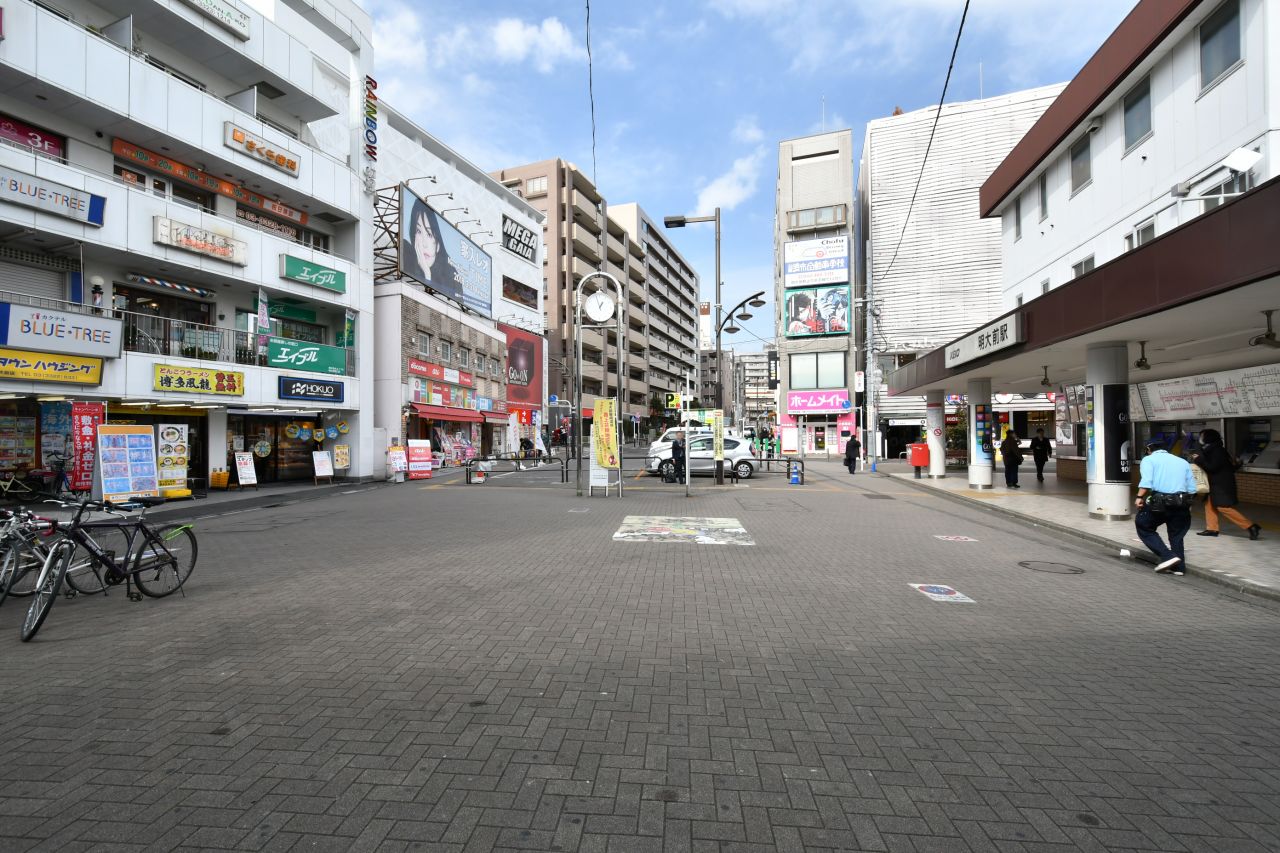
pixel 1168 474
pixel 1165 473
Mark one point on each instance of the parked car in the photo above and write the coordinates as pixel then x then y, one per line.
pixel 700 457
pixel 664 441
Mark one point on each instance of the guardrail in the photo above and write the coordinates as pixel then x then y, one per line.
pixel 518 461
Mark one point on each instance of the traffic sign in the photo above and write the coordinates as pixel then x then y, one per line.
pixel 552 399
pixel 672 401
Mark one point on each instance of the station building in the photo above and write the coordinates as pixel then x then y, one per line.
pixel 182 227
pixel 1140 264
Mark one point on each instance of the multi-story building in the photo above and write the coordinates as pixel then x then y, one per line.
pixel 458 285
pixel 815 307
pixel 183 232
pixel 671 288
pixel 581 238
pixel 940 275
pixel 753 401
pixel 1141 272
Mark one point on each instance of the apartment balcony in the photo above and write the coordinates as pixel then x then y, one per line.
pixel 635 271
pixel 637 250
pixel 585 243
pixel 615 250
pixel 585 212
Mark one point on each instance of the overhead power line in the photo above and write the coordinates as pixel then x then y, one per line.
pixel 591 93
pixel 937 115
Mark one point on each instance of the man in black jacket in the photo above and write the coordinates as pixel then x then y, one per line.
pixel 1041 450
pixel 852 451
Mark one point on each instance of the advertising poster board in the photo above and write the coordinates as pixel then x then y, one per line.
pixel 1117 447
pixel 419 459
pixel 717 432
pixel 127 462
pixel 604 434
pixel 821 261
pixel 437 255
pixel 85 419
pixel 245 473
pixel 599 474
pixel 817 311
pixel 342 456
pixel 790 439
pixel 174 452
pixel 323 463
pixel 397 459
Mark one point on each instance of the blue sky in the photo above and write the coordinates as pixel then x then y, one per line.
pixel 692 96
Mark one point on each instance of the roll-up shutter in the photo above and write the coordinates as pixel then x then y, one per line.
pixel 33 281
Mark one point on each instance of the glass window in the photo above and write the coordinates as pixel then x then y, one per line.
pixel 804 370
pixel 1144 233
pixel 811 370
pixel 1081 166
pixel 424 345
pixel 535 186
pixel 1017 218
pixel 1044 286
pixel 192 197
pixel 464 356
pixel 479 361
pixel 831 369
pixel 1082 267
pixel 1219 43
pixel 1044 195
pixel 446 351
pixel 1137 114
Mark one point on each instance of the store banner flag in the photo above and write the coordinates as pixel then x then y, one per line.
pixel 419 459
pixel 717 421
pixel 604 435
pixel 349 330
pixel 264 313
pixel 342 456
pixel 245 473
pixel 85 419
pixel 174 452
pixel 127 462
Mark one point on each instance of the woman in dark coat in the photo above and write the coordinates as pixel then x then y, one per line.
pixel 1011 451
pixel 1221 470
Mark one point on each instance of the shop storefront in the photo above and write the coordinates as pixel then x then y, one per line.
pixel 282 444
pixel 456 435
pixel 823 421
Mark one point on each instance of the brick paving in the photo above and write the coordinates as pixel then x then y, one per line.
pixel 465 668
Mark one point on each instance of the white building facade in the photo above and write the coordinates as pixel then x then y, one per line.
pixel 941 275
pixel 463 368
pixel 167 173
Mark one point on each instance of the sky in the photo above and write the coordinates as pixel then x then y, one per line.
pixel 693 96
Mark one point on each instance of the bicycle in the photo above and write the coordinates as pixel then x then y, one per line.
pixel 21 554
pixel 157 560
pixel 49 580
pixel 14 488
pixel 54 480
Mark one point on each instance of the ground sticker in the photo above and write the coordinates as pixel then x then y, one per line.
pixel 699 531
pixel 955 538
pixel 939 592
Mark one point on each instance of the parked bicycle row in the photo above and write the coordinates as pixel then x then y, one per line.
pixel 38 555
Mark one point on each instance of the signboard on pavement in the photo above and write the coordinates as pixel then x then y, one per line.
pixel 245 473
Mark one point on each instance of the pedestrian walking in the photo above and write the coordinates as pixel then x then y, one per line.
pixel 1011 452
pixel 1041 450
pixel 852 451
pixel 677 455
pixel 1165 492
pixel 1220 467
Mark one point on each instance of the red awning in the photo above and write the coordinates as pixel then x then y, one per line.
pixel 448 413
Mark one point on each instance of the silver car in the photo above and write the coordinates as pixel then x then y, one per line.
pixel 700 457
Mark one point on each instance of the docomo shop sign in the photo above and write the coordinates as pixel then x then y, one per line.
pixel 57 331
pixel 441 373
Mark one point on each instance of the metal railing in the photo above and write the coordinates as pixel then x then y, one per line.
pixel 519 463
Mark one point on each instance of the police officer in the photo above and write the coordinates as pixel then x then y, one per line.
pixel 1164 498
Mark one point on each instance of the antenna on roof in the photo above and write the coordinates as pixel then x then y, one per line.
pixel 979 79
pixel 824 113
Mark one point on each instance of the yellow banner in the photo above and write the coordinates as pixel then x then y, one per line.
pixel 717 421
pixel 604 432
pixel 44 367
pixel 198 380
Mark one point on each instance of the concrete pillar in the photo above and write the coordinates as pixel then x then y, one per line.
pixel 936 433
pixel 1109 435
pixel 981 433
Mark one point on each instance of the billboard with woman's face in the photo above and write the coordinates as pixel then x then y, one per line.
pixel 817 311
pixel 435 254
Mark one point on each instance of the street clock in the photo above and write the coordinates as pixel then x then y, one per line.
pixel 599 307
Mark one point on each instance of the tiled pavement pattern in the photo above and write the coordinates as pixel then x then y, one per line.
pixel 475 669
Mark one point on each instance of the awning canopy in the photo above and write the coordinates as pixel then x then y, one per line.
pixel 495 417
pixel 448 413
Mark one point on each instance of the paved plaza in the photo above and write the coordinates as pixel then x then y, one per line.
pixel 436 666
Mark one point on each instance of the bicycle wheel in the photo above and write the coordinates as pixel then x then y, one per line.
pixel 165 562
pixel 85 575
pixel 20 568
pixel 48 586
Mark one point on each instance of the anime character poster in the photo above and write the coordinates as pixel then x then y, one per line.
pixel 817 311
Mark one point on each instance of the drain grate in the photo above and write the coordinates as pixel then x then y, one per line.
pixel 1051 568
pixel 879 497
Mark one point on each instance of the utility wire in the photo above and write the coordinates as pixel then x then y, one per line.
pixel 591 92
pixel 932 131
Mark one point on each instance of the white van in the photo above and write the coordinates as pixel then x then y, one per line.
pixel 663 444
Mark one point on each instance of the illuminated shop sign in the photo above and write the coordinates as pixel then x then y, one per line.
pixel 49 197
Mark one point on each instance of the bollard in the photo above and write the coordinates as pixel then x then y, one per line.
pixel 917 472
pixel 795 474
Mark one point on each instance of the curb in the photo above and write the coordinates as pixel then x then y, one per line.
pixel 195 509
pixel 1217 576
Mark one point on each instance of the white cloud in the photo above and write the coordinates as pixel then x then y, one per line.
pixel 748 130
pixel 544 44
pixel 397 38
pixel 734 186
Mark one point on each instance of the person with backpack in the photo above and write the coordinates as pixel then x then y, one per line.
pixel 1220 467
pixel 1011 452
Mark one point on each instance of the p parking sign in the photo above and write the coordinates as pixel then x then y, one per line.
pixel 673 401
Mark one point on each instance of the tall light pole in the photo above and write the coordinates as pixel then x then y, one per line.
pixel 577 332
pixel 680 222
pixel 737 312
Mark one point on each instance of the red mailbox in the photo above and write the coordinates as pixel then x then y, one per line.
pixel 918 455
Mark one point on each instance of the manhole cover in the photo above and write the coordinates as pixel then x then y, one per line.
pixel 879 497
pixel 1051 568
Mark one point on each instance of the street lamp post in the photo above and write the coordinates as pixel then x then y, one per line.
pixel 617 321
pixel 737 312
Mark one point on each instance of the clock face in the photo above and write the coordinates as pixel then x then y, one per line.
pixel 599 306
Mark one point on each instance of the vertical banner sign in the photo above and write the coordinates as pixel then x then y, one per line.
pixel 983 433
pixel 773 370
pixel 127 458
pixel 1115 433
pixel 419 459
pixel 174 452
pixel 349 330
pixel 85 419
pixel 263 321
pixel 604 435
pixel 718 434
pixel 598 474
pixel 1091 454
pixel 245 473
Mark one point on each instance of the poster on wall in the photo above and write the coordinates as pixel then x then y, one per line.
pixel 817 311
pixel 1230 393
pixel 1117 447
pixel 127 462
pixel 437 255
pixel 821 261
pixel 245 473
pixel 342 456
pixel 174 451
pixel 524 367
pixel 419 457
pixel 85 419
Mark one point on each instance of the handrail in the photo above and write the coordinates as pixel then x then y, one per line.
pixel 517 458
